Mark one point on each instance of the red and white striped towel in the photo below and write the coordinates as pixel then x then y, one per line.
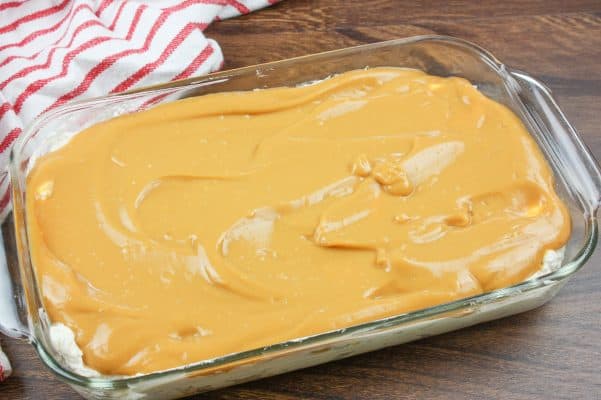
pixel 55 51
pixel 5 368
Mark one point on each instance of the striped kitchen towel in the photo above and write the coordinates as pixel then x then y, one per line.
pixel 55 51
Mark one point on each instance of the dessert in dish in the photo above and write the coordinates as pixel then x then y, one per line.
pixel 232 221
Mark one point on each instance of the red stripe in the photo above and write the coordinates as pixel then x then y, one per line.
pixel 197 62
pixel 37 34
pixel 153 100
pixel 31 17
pixel 148 68
pixel 4 109
pixel 213 2
pixel 1 367
pixel 193 66
pixel 239 6
pixel 9 139
pixel 185 4
pixel 103 7
pixel 39 84
pixel 112 26
pixel 4 203
pixel 134 22
pixel 78 30
pixel 11 4
pixel 25 71
pixel 104 64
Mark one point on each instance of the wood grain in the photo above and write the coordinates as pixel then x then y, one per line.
pixel 553 352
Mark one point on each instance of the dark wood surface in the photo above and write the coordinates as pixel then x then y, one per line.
pixel 553 352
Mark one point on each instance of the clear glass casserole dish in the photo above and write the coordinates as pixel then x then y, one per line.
pixel 578 182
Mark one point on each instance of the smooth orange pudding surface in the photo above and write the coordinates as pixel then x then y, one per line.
pixel 232 221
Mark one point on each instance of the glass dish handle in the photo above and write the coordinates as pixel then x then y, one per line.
pixel 578 164
pixel 13 310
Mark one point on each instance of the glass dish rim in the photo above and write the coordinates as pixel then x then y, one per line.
pixel 121 382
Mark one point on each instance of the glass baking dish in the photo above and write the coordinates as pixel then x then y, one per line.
pixel 578 182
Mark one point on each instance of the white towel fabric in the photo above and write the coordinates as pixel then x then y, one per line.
pixel 55 51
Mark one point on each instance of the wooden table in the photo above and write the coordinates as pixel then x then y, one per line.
pixel 553 352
